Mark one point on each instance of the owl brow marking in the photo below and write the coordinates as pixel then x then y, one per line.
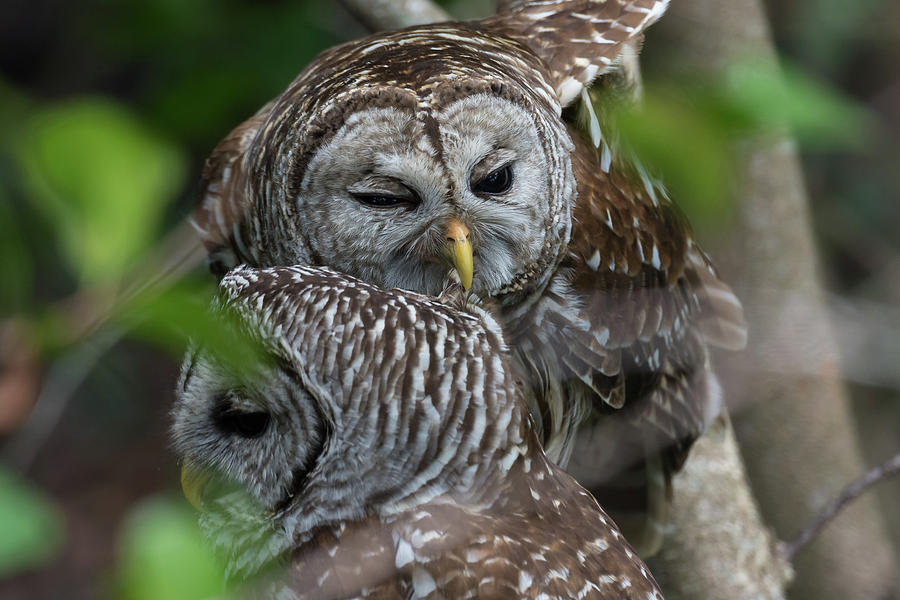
pixel 433 133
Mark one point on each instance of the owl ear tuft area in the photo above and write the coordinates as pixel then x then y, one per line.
pixel 578 41
pixel 219 217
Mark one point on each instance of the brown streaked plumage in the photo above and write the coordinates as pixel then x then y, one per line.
pixel 397 460
pixel 607 301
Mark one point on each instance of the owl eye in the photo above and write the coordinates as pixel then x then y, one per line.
pixel 496 182
pixel 381 201
pixel 231 420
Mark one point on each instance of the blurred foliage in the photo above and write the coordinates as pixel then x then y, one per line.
pixel 162 554
pixel 686 130
pixel 31 530
pixel 102 179
pixel 14 293
pixel 835 26
pixel 180 315
pixel 214 62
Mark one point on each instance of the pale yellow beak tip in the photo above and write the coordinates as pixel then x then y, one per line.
pixel 461 252
pixel 464 263
pixel 192 484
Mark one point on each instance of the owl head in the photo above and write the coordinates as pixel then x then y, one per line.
pixel 369 403
pixel 397 157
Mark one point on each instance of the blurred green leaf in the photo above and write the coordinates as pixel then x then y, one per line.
pixel 180 315
pixel 682 143
pixel 17 264
pixel 102 179
pixel 162 554
pixel 14 106
pixel 222 60
pixel 819 116
pixel 686 131
pixel 31 530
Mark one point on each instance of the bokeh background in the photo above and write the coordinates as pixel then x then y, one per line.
pixel 107 111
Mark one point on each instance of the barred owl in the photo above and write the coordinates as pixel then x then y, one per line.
pixel 487 146
pixel 385 451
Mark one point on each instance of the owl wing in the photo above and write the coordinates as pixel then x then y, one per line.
pixel 648 297
pixel 637 300
pixel 627 322
pixel 629 315
pixel 578 40
pixel 561 545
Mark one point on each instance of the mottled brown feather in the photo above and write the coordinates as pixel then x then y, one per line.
pixel 578 40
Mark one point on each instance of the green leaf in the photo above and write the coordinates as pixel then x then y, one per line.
pixel 174 317
pixel 17 262
pixel 14 107
pixel 819 116
pixel 31 530
pixel 102 179
pixel 162 554
pixel 682 143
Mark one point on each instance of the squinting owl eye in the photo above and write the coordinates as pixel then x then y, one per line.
pixel 383 201
pixel 497 182
pixel 231 420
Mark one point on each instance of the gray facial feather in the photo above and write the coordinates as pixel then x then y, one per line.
pixel 402 246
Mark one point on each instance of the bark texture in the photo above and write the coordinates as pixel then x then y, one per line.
pixel 796 430
pixel 718 548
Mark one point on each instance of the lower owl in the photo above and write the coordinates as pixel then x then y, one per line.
pixel 382 449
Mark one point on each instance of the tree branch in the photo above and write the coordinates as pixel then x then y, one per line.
pixel 718 547
pixel 884 471
pixel 378 15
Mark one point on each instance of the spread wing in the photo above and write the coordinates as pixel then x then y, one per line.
pixel 637 301
pixel 634 307
pixel 619 343
pixel 648 290
pixel 577 39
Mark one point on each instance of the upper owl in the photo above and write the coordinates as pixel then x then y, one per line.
pixel 398 156
pixel 387 450
pixel 392 157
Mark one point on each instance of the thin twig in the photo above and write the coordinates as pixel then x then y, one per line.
pixel 91 336
pixel 887 469
pixel 378 15
pixel 62 381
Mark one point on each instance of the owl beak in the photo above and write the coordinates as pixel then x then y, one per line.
pixel 193 482
pixel 460 251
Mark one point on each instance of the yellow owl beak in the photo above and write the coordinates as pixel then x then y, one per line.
pixel 460 251
pixel 193 481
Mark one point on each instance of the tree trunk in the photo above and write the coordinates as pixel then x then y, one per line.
pixel 718 548
pixel 796 430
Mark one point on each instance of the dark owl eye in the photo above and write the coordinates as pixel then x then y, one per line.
pixel 231 420
pixel 250 425
pixel 497 182
pixel 381 201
